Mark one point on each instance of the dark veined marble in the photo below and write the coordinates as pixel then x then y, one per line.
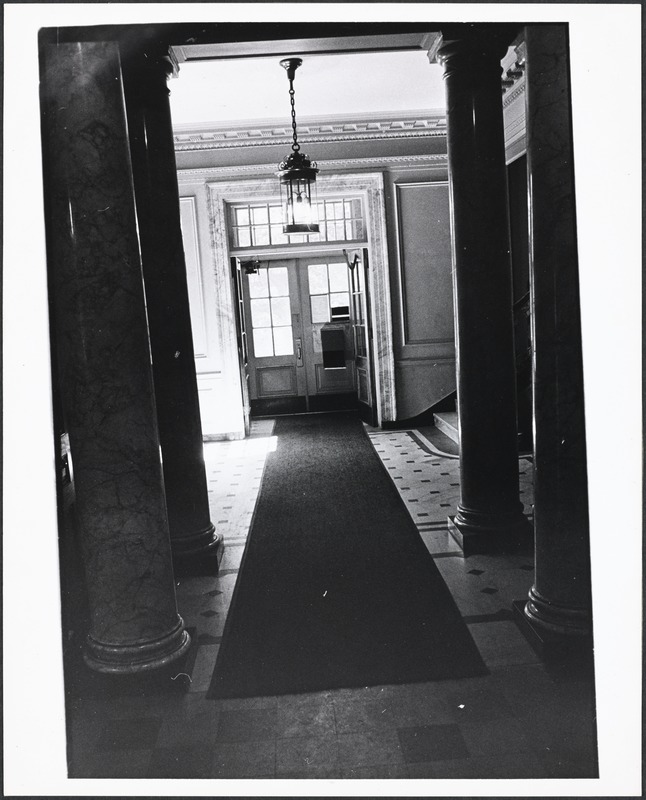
pixel 104 362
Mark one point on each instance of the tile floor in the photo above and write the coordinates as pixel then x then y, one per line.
pixel 522 720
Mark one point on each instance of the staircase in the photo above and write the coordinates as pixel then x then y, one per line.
pixel 447 422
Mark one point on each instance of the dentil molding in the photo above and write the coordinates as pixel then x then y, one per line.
pixel 313 130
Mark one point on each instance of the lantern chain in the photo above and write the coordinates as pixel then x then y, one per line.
pixel 295 146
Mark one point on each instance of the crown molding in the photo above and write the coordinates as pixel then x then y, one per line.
pixel 323 129
pixel 437 160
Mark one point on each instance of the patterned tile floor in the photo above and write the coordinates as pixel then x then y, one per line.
pixel 520 721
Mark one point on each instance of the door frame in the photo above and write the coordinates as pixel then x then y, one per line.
pixel 308 393
pixel 370 186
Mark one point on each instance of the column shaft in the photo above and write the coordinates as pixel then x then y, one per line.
pixel 489 514
pixel 157 198
pixel 560 600
pixel 100 334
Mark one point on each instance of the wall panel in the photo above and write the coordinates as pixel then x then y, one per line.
pixel 424 262
pixel 422 285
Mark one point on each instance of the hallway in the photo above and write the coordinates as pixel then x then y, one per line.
pixel 522 720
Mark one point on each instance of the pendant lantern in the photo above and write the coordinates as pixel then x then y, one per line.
pixel 297 175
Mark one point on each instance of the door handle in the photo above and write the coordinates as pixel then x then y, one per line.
pixel 299 353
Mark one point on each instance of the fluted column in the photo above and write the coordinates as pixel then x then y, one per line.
pixel 103 362
pixel 489 513
pixel 157 198
pixel 559 606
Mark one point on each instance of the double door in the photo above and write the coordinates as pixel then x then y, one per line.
pixel 305 332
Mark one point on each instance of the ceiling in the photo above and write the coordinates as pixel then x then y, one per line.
pixel 335 84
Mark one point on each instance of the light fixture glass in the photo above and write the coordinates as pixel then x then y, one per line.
pixel 297 175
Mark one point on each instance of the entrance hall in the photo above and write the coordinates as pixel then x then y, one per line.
pixel 166 415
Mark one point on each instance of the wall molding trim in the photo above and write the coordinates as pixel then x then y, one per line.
pixel 368 185
pixel 436 160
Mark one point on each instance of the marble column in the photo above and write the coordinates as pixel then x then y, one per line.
pixel 559 606
pixel 103 361
pixel 489 514
pixel 145 72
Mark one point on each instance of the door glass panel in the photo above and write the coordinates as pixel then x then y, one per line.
pixel 280 311
pixel 260 314
pixel 338 277
pixel 320 308
pixel 340 304
pixel 361 341
pixel 278 282
pixel 271 315
pixel 258 284
pixel 358 279
pixel 359 312
pixel 283 341
pixel 317 274
pixel 262 342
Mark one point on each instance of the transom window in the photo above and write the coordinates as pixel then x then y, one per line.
pixel 261 224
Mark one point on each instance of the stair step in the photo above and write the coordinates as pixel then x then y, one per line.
pixel 447 422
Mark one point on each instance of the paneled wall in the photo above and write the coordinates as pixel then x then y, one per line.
pixel 421 285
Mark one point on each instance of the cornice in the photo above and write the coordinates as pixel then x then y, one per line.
pixel 437 160
pixel 340 129
pixel 513 69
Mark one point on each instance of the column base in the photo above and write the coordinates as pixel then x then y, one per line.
pixel 204 560
pixel 515 537
pixel 552 647
pixel 206 543
pixel 128 659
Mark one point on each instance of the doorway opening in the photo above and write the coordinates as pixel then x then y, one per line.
pixel 366 376
pixel 305 325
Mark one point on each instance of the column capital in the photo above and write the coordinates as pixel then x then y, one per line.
pixel 465 44
pixel 149 64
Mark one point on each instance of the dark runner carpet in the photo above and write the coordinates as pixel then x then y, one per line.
pixel 336 587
